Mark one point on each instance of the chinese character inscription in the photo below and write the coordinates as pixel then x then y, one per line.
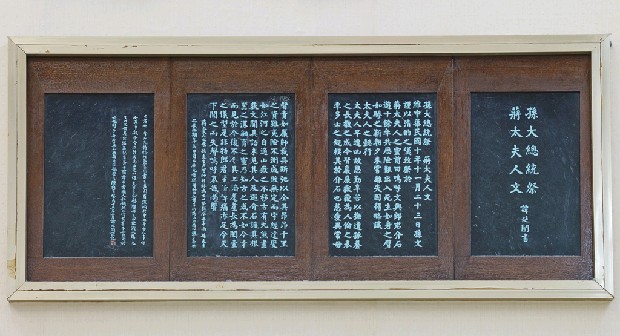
pixel 240 174
pixel 525 174
pixel 98 175
pixel 382 174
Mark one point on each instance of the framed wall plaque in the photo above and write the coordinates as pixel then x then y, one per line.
pixel 324 168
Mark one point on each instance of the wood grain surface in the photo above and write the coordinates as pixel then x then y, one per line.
pixel 519 74
pixel 96 75
pixel 382 74
pixel 243 75
pixel 311 80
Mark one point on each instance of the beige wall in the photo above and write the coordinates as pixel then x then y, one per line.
pixel 310 17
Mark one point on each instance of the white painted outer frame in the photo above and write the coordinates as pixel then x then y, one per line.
pixel 599 288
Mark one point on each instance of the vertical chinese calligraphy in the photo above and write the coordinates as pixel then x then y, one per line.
pixel 99 156
pixel 134 179
pixel 525 174
pixel 382 174
pixel 523 154
pixel 240 174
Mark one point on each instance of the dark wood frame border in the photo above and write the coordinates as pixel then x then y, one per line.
pixel 95 75
pixel 310 79
pixel 383 75
pixel 525 74
pixel 242 75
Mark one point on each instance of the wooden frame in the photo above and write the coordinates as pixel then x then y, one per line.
pixel 239 76
pixel 527 74
pixel 96 75
pixel 596 46
pixel 360 75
